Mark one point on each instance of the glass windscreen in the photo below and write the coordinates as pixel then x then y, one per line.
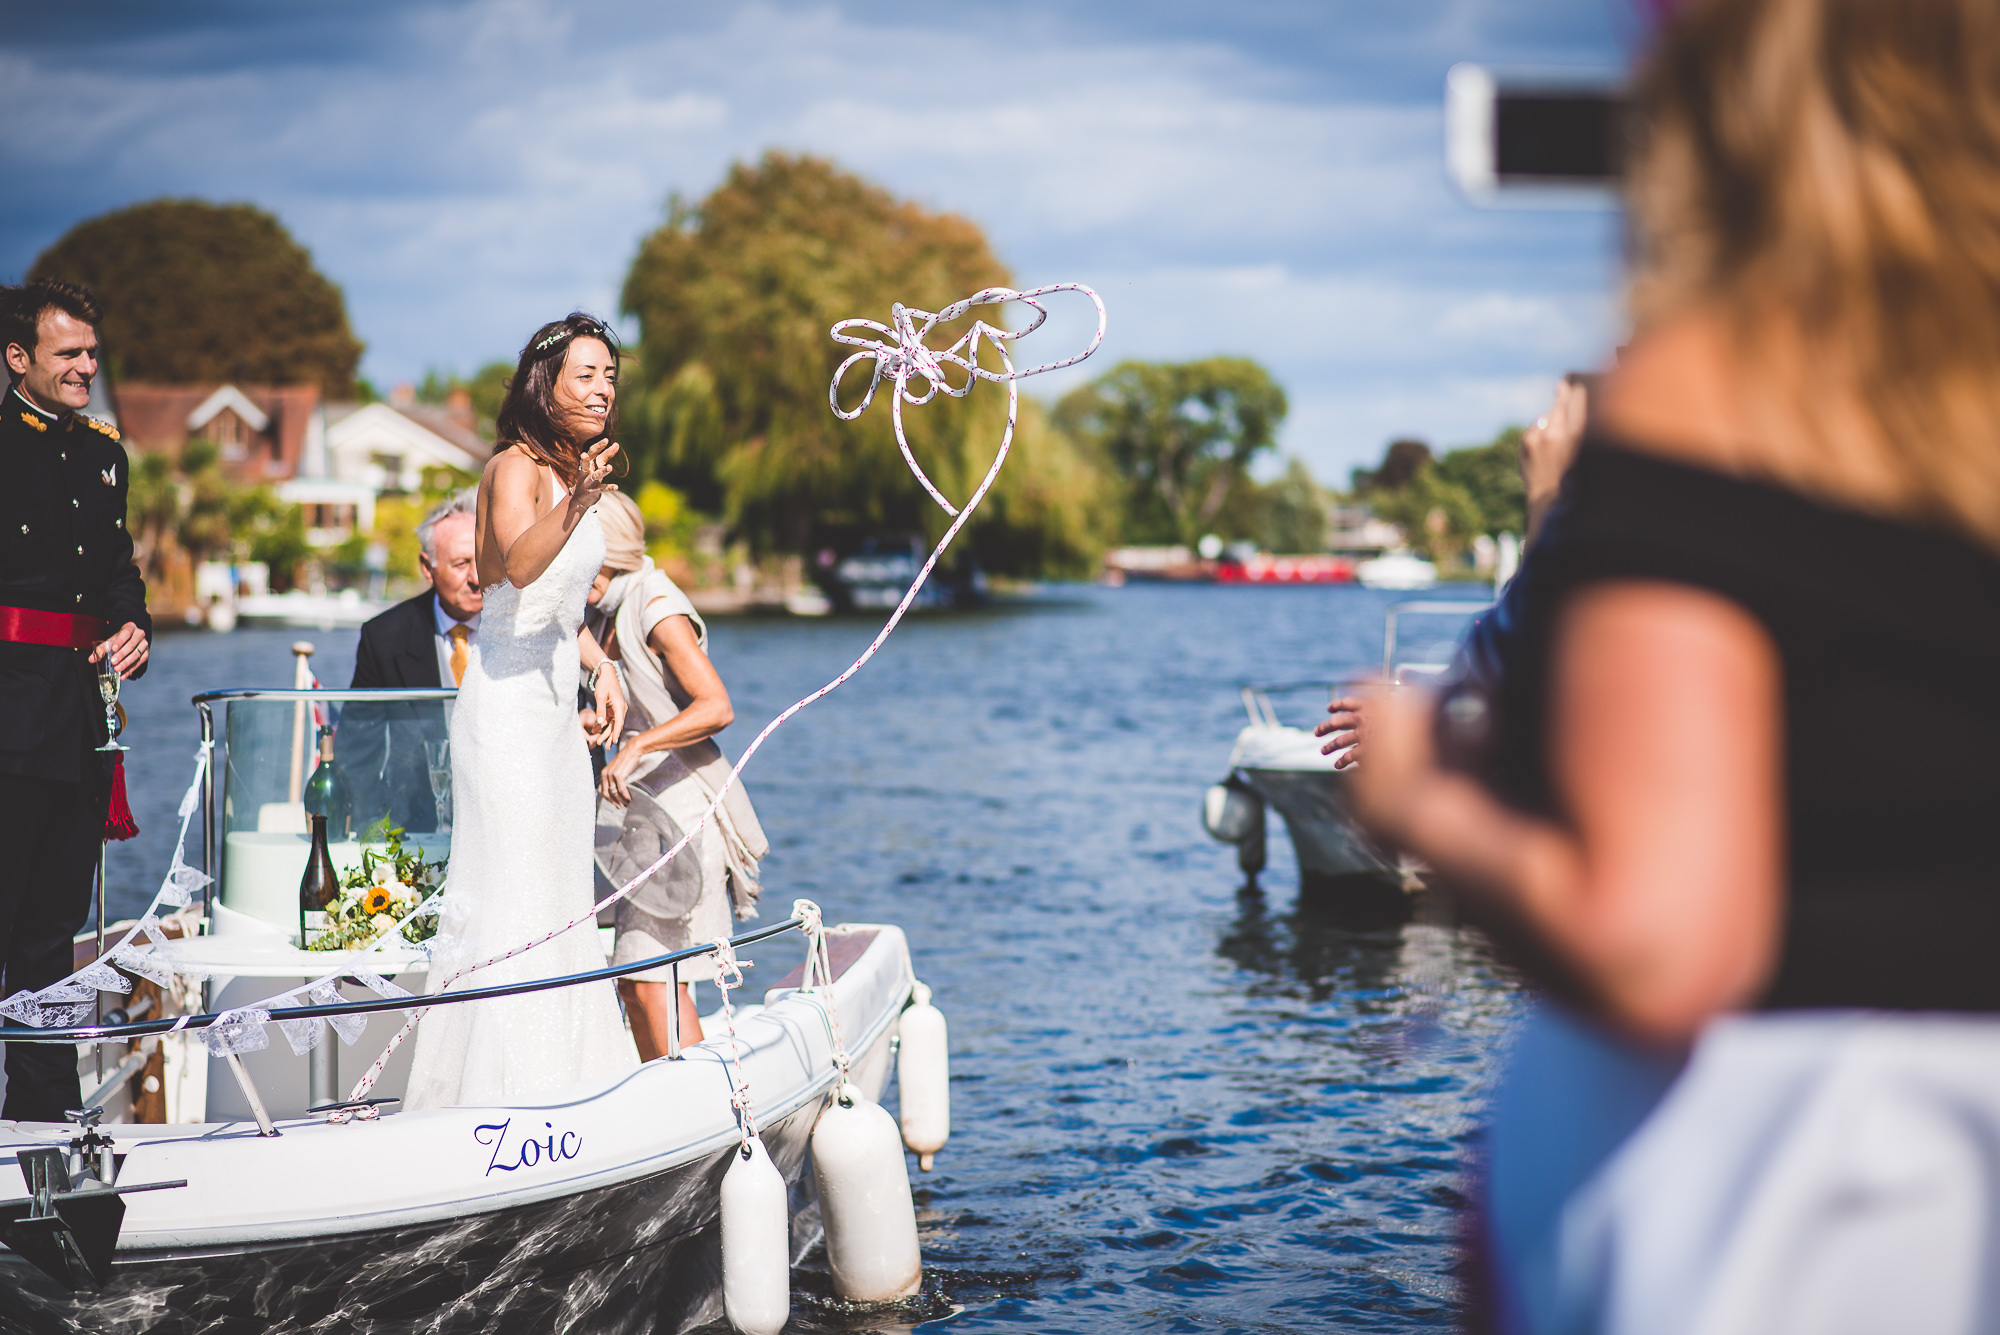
pixel 390 766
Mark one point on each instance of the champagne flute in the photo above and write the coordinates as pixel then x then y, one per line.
pixel 107 691
pixel 437 756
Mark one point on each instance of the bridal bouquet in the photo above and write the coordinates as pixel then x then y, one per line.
pixel 381 895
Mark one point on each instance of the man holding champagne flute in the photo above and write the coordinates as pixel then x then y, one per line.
pixel 70 600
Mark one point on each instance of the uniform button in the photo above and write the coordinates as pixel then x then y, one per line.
pixel 79 597
pixel 24 528
pixel 79 551
pixel 74 503
pixel 119 522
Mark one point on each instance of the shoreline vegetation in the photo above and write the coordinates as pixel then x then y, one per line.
pixel 751 490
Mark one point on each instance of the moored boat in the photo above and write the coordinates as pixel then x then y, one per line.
pixel 263 1201
pixel 1279 766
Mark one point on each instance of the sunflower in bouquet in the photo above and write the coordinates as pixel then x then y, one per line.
pixel 382 894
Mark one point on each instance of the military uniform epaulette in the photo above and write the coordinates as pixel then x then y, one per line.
pixel 95 425
pixel 34 420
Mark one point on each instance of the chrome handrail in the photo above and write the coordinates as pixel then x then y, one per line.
pixel 1420 608
pixel 1257 705
pixel 141 1028
pixel 334 693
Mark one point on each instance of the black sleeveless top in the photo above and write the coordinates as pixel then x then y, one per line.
pixel 1889 635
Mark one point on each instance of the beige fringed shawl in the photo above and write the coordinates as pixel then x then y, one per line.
pixel 655 696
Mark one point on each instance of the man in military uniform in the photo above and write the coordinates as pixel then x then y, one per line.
pixel 69 597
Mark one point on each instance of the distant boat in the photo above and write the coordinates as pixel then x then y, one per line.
pixel 299 608
pixel 1397 570
pixel 1264 568
pixel 875 578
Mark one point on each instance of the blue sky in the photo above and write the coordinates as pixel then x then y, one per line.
pixel 1260 177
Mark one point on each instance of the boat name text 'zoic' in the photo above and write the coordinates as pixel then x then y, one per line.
pixel 552 1148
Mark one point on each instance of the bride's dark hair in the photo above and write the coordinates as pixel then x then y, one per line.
pixel 528 418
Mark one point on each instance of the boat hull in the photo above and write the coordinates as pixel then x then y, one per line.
pixel 638 1256
pixel 1337 861
pixel 461 1219
pixel 1314 804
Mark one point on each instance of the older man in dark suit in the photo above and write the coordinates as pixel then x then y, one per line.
pixel 425 641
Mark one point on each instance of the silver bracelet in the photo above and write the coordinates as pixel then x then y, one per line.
pixel 590 682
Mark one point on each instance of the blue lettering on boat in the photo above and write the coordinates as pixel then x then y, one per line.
pixel 553 1147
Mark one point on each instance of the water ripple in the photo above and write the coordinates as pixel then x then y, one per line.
pixel 1177 1105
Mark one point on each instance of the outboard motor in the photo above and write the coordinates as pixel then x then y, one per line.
pixel 1232 813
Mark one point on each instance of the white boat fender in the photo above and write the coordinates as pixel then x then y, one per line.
pixel 1230 812
pixel 864 1201
pixel 756 1243
pixel 923 1077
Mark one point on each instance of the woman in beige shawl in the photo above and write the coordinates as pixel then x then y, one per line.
pixel 662 779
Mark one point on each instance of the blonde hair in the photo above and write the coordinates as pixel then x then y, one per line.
pixel 1829 170
pixel 624 532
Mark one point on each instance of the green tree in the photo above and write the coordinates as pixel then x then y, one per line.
pixel 1439 517
pixel 1443 504
pixel 1491 475
pixel 1181 437
pixel 195 292
pixel 1292 512
pixel 735 298
pixel 488 388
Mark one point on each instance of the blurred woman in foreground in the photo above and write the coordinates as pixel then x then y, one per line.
pixel 1752 744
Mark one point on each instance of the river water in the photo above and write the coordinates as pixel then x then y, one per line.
pixel 1178 1104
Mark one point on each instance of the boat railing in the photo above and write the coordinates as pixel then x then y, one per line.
pixel 1257 695
pixel 374 1006
pixel 1393 669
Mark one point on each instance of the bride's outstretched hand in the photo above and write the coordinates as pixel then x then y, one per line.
pixel 593 478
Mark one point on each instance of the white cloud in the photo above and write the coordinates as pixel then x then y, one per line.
pixel 496 162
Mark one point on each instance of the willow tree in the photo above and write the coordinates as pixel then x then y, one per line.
pixel 196 292
pixel 735 297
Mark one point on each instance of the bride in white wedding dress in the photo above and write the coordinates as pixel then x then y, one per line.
pixel 522 795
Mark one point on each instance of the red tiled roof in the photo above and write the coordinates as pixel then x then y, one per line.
pixel 154 418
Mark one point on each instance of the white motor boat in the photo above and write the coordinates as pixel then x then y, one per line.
pixel 252 1198
pixel 307 610
pixel 1279 766
pixel 1396 570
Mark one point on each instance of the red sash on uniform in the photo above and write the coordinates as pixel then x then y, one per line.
pixel 64 630
pixel 67 630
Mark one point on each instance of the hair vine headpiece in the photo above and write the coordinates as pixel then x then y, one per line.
pixel 553 339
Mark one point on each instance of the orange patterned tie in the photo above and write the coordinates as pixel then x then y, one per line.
pixel 460 652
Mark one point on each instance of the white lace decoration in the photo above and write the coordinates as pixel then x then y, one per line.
pixel 72 1001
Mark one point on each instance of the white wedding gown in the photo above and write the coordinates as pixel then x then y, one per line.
pixel 523 816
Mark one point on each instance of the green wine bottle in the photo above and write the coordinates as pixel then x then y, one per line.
pixel 326 792
pixel 318 887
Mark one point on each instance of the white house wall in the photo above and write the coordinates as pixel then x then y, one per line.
pixel 353 443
